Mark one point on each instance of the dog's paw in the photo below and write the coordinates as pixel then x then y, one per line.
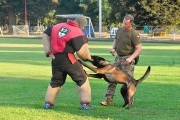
pixel 128 105
pixel 124 105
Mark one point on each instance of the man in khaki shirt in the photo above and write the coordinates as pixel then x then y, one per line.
pixel 128 46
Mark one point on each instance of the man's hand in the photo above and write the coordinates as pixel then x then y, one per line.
pixel 112 52
pixel 52 56
pixel 128 61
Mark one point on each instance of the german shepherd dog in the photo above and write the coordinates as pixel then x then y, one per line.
pixel 112 74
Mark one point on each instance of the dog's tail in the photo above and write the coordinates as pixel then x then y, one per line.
pixel 144 76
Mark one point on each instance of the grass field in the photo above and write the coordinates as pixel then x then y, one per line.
pixel 25 73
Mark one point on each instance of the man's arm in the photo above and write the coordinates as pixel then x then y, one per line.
pixel 46 44
pixel 113 47
pixel 46 38
pixel 138 49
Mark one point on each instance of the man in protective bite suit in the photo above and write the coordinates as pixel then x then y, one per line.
pixel 60 43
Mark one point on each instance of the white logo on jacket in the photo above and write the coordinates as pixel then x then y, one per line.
pixel 63 32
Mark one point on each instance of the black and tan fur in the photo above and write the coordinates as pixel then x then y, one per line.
pixel 112 74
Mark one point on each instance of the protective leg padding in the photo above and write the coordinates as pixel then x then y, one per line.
pixel 84 93
pixel 51 95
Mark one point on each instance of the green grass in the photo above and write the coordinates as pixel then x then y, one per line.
pixel 25 74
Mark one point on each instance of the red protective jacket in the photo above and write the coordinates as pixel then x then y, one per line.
pixel 67 37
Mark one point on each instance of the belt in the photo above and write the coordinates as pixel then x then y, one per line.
pixel 124 55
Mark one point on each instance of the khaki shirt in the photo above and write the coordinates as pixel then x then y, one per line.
pixel 125 41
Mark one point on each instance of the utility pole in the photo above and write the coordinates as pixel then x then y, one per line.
pixel 25 18
pixel 25 13
pixel 100 18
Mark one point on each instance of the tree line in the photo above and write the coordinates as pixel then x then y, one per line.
pixel 145 12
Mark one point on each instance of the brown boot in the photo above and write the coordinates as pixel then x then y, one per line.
pixel 107 102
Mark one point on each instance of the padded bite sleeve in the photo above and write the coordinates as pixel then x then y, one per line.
pixel 80 45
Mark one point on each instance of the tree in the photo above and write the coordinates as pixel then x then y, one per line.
pixel 2 1
pixel 39 9
pixel 161 12
pixel 69 7
pixel 146 12
pixel 13 10
pixel 91 9
pixel 117 9
pixel 50 19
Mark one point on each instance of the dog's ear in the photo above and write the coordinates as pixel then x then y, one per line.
pixel 93 56
pixel 101 58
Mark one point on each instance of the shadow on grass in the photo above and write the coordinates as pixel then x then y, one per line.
pixel 150 98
